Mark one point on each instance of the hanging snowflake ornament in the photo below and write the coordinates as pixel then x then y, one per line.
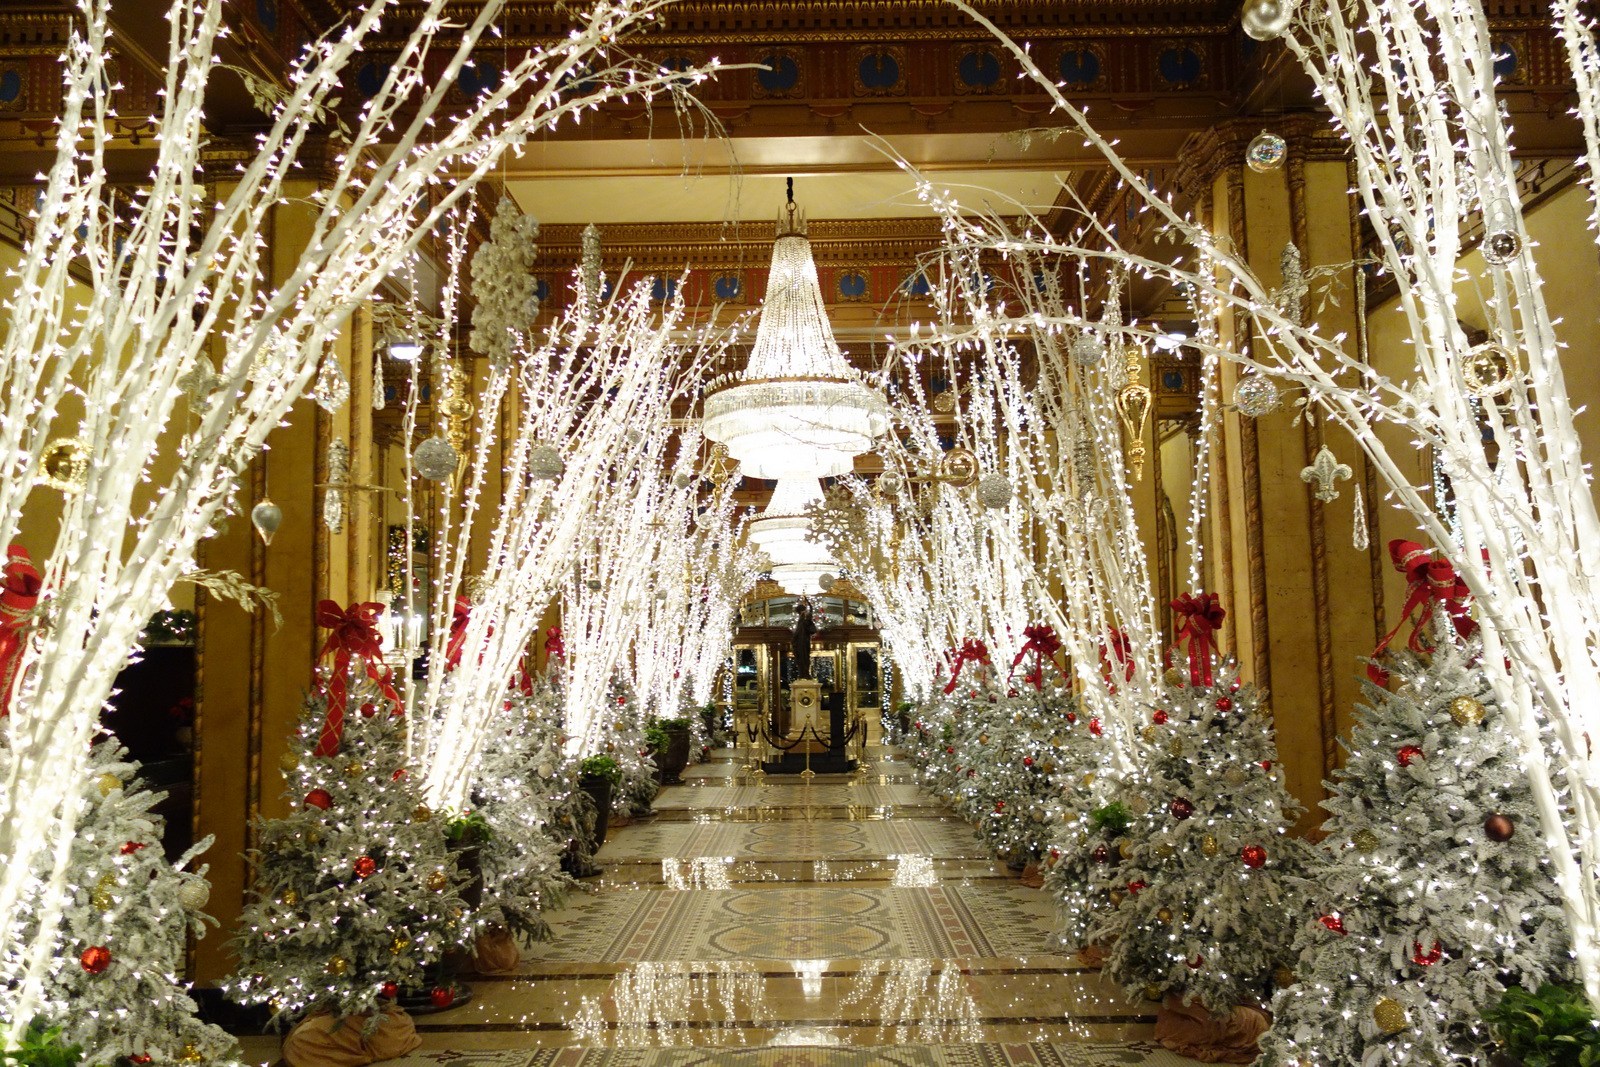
pixel 503 285
pixel 1266 152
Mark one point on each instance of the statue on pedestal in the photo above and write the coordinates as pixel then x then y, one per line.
pixel 804 627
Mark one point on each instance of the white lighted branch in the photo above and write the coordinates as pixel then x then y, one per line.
pixel 182 307
pixel 1412 87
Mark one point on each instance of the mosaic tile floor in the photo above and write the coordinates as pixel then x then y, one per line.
pixel 840 923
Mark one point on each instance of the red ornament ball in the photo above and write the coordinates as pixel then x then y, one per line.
pixel 949 750
pixel 130 847
pixel 1198 962
pixel 1253 855
pixel 1055 854
pixel 1426 959
pixel 95 959
pixel 319 798
pixel 1408 754
pixel 1333 923
pixel 999 805
pixel 399 773
pixel 1072 716
pixel 388 991
pixel 368 710
pixel 1134 887
pixel 1266 765
pixel 1181 807
pixel 971 772
pixel 366 867
pixel 1094 727
pixel 1499 827
pixel 1159 718
pixel 441 996
pixel 139 1058
pixel 1101 854
pixel 1225 704
pixel 1027 761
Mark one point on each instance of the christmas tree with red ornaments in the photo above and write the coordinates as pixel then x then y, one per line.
pixel 1209 887
pixel 355 891
pixel 1434 891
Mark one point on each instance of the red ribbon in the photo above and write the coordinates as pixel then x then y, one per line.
pixel 1044 644
pixel 1432 583
pixel 1198 618
pixel 554 647
pixel 458 633
pixel 971 651
pixel 19 594
pixel 355 637
pixel 1119 647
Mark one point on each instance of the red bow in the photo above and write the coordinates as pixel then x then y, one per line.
pixel 19 594
pixel 1430 582
pixel 355 637
pixel 1198 618
pixel 458 633
pixel 971 651
pixel 554 647
pixel 1044 644
pixel 1117 646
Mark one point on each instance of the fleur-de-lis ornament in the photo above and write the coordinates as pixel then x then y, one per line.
pixel 1325 472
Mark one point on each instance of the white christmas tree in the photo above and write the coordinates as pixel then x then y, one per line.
pixel 1434 890
pixel 624 741
pixel 114 983
pixel 1209 900
pixel 355 892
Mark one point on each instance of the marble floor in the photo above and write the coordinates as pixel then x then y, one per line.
pixel 844 921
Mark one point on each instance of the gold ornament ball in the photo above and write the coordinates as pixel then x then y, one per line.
pixel 1088 780
pixel 438 881
pixel 190 1053
pixel 1282 977
pixel 983 739
pixel 109 783
pixel 1389 1015
pixel 314 836
pixel 1149 735
pixel 1173 676
pixel 1208 845
pixel 1116 897
pixel 1175 747
pixel 290 897
pixel 422 813
pixel 1466 712
pixel 1124 849
pixel 288 763
pixel 1165 850
pixel 1164 915
pixel 1152 992
pixel 1365 840
pixel 1049 767
pixel 354 770
pixel 338 966
pixel 618 726
pixel 104 896
pixel 1234 775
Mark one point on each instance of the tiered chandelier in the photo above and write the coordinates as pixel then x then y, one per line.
pixel 797 412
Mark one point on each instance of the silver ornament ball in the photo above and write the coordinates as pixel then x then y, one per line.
pixel 1256 395
pixel 1266 152
pixel 994 491
pixel 266 517
pixel 1266 20
pixel 194 894
pixel 545 463
pixel 890 483
pixel 435 459
pixel 1086 350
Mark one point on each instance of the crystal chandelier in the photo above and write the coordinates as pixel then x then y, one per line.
pixel 797 408
pixel 783 532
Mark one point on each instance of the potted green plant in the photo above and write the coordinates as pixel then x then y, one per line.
pixel 656 740
pixel 466 834
pixel 41 1047
pixel 903 712
pixel 675 756
pixel 1553 1027
pixel 600 776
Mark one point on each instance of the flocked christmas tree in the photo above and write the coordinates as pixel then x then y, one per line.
pixel 1209 898
pixel 625 742
pixel 355 891
pixel 1434 889
pixel 113 985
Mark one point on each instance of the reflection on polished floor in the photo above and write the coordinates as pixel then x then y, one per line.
pixel 845 921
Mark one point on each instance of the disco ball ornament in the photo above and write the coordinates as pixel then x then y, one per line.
pixel 994 491
pixel 1266 152
pixel 545 463
pixel 1501 242
pixel 1086 350
pixel 681 480
pixel 435 459
pixel 194 894
pixel 1266 20
pixel 825 582
pixel 1256 395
